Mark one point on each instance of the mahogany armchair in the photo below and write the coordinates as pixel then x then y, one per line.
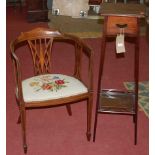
pixel 45 88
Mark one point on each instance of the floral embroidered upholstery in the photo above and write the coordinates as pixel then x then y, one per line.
pixel 51 86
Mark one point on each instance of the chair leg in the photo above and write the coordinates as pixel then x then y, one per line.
pixel 89 115
pixel 23 124
pixel 19 119
pixel 68 106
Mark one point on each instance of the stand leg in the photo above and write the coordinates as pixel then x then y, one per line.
pixel 135 135
pixel 95 126
pixel 136 85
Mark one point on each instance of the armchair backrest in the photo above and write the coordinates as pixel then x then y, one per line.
pixel 40 41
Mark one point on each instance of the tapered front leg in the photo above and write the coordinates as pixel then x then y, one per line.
pixel 23 125
pixel 89 116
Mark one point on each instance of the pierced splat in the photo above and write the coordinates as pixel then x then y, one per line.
pixel 41 53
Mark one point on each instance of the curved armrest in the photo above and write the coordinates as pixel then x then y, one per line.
pixel 17 72
pixel 89 53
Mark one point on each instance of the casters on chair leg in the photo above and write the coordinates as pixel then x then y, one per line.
pixel 88 136
pixel 25 148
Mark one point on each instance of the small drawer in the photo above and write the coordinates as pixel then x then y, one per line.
pixel 113 21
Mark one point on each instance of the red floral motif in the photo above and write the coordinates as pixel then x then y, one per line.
pixel 48 83
pixel 46 86
pixel 59 82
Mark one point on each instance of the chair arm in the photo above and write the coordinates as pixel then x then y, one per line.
pixel 17 73
pixel 88 52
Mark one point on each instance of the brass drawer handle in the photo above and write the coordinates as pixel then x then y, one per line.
pixel 121 25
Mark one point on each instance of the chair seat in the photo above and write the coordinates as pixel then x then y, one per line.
pixel 51 86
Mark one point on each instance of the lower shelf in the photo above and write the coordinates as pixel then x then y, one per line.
pixel 113 101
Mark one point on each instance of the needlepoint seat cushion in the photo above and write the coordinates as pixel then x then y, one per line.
pixel 51 86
